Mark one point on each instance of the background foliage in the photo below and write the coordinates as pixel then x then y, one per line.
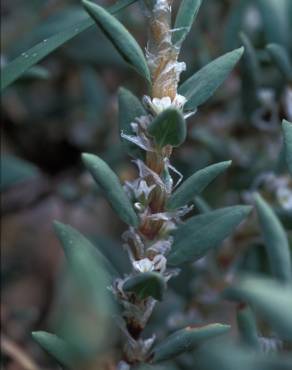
pixel 67 104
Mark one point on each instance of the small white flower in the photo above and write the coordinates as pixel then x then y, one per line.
pixel 144 265
pixel 284 196
pixel 157 105
pixel 179 101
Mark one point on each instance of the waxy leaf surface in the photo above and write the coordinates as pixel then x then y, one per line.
pixel 110 184
pixel 195 184
pixel 119 36
pixel 199 234
pixel 199 87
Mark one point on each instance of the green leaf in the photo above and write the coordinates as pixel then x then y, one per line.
pixel 276 241
pixel 13 70
pixel 194 238
pixel 119 36
pixel 195 184
pixel 186 15
pixel 56 347
pixel 36 72
pixel 287 130
pixel 168 128
pixel 275 16
pixel 201 204
pixel 15 170
pixel 110 184
pixel 251 77
pixel 145 285
pixel 271 299
pixel 90 281
pixel 281 59
pixel 247 326
pixel 198 88
pixel 129 109
pixel 185 340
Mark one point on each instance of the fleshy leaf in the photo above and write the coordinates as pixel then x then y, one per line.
pixel 112 188
pixel 119 36
pixel 287 129
pixel 168 128
pixel 199 87
pixel 276 241
pixel 13 70
pixel 90 281
pixel 129 109
pixel 145 285
pixel 56 347
pixel 195 184
pixel 185 340
pixel 194 238
pixel 281 59
pixel 15 170
pixel 268 297
pixel 247 326
pixel 186 15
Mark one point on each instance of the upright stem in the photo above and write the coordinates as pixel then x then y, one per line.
pixel 148 245
pixel 162 54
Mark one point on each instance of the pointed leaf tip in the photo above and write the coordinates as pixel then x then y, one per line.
pixel 276 241
pixel 56 347
pixel 112 188
pixel 120 37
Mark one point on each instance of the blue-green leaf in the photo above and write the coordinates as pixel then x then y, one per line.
pixel 195 184
pixel 199 87
pixel 186 15
pixel 276 241
pixel 57 348
pixel 129 109
pixel 15 170
pixel 110 184
pixel 185 340
pixel 145 285
pixel 275 15
pixel 281 58
pixel 247 326
pixel 271 299
pixel 168 128
pixel 119 36
pixel 193 239
pixel 89 280
pixel 13 70
pixel 287 130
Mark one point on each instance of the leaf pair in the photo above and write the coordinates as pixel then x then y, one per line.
pixel 168 128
